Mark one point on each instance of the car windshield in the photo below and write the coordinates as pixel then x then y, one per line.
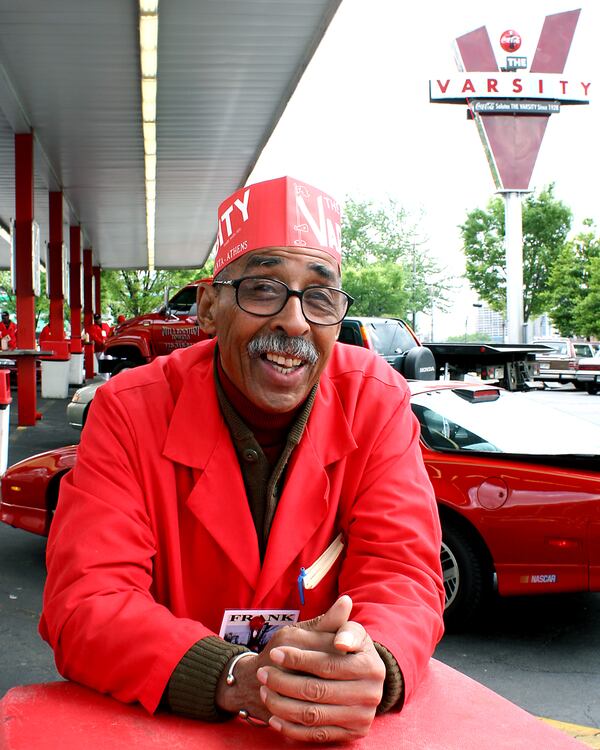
pixel 390 337
pixel 559 347
pixel 509 424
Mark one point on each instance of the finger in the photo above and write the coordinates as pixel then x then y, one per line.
pixel 307 688
pixel 329 666
pixel 353 718
pixel 319 735
pixel 303 639
pixel 351 637
pixel 333 619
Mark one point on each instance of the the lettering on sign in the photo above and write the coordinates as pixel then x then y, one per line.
pixel 504 85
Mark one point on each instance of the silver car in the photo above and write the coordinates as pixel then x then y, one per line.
pixel 77 410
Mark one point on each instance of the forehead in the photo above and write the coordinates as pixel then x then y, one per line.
pixel 290 260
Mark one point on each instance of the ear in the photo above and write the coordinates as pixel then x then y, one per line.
pixel 206 298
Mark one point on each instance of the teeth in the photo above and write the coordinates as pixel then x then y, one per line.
pixel 282 361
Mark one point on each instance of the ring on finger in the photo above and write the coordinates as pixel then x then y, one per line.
pixel 252 720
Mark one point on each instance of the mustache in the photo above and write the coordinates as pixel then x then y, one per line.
pixel 279 343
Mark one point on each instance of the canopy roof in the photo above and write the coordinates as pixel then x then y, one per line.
pixel 70 71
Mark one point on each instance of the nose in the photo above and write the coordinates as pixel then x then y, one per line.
pixel 291 319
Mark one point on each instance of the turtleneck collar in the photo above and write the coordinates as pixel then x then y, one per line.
pixel 268 427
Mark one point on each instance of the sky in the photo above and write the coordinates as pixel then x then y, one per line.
pixel 360 123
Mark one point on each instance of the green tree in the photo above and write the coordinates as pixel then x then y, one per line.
pixel 132 293
pixel 8 299
pixel 546 223
pixel 569 280
pixel 587 310
pixel 386 267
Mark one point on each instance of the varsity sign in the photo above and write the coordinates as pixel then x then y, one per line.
pixel 463 87
pixel 277 213
pixel 511 107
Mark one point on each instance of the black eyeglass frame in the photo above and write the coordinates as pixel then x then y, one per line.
pixel 235 283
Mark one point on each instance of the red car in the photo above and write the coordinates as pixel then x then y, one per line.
pixel 517 483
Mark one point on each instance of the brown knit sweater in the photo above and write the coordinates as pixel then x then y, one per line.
pixel 192 688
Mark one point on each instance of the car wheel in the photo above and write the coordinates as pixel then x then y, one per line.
pixel 467 578
pixel 592 388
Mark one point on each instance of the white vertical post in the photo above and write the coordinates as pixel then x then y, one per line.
pixel 513 244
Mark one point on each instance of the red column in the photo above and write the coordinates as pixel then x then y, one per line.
pixel 26 385
pixel 88 315
pixel 75 288
pixel 55 267
pixel 97 291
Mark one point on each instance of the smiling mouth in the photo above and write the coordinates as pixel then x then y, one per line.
pixel 283 364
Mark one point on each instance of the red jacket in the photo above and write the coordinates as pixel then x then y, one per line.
pixel 11 331
pixel 153 536
pixel 98 335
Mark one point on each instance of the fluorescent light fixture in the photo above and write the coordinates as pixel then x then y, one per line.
pixel 148 6
pixel 148 32
pixel 149 67
pixel 149 99
pixel 149 62
pixel 150 168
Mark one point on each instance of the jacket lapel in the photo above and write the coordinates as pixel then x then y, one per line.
pixel 198 437
pixel 305 501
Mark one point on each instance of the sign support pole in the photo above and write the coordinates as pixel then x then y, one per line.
pixel 513 244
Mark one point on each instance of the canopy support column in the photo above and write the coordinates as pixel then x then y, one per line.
pixel 88 316
pixel 76 373
pixel 55 268
pixel 23 265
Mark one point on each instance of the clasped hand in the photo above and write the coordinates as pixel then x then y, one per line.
pixel 319 681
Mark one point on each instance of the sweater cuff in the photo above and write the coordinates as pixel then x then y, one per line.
pixel 192 687
pixel 393 686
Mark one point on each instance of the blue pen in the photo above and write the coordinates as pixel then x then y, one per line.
pixel 301 585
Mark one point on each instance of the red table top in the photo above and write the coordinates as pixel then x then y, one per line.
pixel 449 712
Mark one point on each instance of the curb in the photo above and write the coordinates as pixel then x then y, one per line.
pixel 589 736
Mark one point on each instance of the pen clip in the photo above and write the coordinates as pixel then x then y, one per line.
pixel 301 585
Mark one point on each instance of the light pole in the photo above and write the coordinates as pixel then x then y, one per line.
pixel 475 304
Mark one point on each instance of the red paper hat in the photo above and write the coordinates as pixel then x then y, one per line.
pixel 277 213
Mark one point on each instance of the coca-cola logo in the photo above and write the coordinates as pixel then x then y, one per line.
pixel 510 41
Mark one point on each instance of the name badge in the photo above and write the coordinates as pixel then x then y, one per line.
pixel 253 628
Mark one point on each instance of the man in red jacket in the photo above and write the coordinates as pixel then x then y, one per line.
pixel 98 333
pixel 8 332
pixel 264 475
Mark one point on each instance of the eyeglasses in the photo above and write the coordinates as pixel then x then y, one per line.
pixel 321 305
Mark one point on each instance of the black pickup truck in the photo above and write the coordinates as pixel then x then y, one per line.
pixel 512 366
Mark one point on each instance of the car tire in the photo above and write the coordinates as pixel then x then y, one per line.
pixel 467 577
pixel 592 388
